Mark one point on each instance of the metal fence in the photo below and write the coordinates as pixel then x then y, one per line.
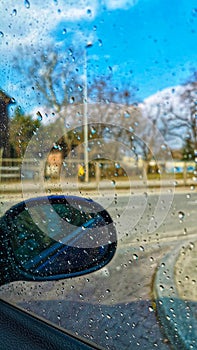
pixel 12 170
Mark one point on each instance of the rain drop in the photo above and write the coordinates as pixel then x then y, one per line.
pixel 72 99
pixel 109 316
pixel 93 130
pixel 27 4
pixel 194 12
pixel 89 12
pixel 181 215
pixel 64 31
pixel 1 34
pixel 39 116
pixel 80 88
pixel 126 114
pixel 14 12
pixel 151 309
pixel 185 231
pixel 135 256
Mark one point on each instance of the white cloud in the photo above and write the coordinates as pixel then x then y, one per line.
pixel 26 26
pixel 120 4
pixel 34 25
pixel 164 101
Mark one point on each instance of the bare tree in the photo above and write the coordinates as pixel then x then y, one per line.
pixel 57 80
pixel 190 99
pixel 55 77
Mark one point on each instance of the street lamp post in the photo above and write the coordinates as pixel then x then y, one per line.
pixel 85 118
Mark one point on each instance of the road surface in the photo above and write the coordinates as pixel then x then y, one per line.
pixel 114 306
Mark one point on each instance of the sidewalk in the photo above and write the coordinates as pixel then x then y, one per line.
pixel 69 185
pixel 175 291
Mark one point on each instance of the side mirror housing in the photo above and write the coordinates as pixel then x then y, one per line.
pixel 55 237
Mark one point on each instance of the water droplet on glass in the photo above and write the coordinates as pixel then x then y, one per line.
pixel 80 88
pixel 93 130
pixel 161 287
pixel 89 12
pixel 39 116
pixel 185 231
pixel 113 182
pixel 181 215
pixel 72 99
pixel 131 129
pixel 27 4
pixel 109 316
pixel 192 245
pixel 64 31
pixel 151 309
pixel 126 114
pixel 1 34
pixel 100 42
pixel 194 12
pixel 135 256
pixel 14 12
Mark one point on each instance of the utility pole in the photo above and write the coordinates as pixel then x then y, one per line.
pixel 85 116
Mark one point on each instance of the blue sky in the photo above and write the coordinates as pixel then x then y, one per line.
pixel 150 44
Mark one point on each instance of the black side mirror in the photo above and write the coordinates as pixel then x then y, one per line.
pixel 55 237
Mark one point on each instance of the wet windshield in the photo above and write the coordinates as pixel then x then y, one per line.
pixel 98 99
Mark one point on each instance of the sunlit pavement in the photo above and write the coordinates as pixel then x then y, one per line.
pixel 175 291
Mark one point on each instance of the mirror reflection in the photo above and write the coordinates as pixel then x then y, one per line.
pixel 58 238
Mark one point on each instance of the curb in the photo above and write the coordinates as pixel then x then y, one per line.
pixel 174 313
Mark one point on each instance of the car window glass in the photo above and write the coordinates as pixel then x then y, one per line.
pixel 98 99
